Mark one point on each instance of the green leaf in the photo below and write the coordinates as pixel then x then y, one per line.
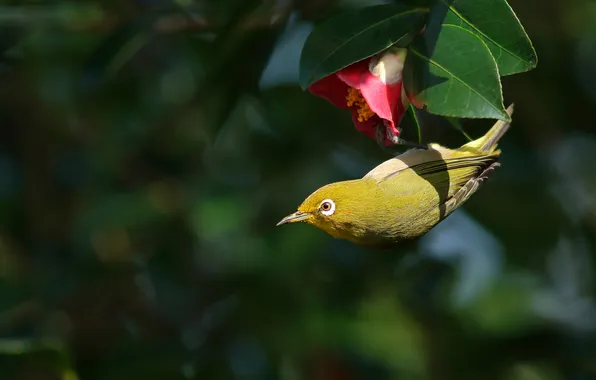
pixel 451 72
pixel 497 25
pixel 412 111
pixel 353 36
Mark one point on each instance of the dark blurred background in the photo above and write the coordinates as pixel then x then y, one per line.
pixel 148 148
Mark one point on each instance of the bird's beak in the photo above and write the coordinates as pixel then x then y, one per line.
pixel 298 216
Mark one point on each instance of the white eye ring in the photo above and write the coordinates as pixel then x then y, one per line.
pixel 327 211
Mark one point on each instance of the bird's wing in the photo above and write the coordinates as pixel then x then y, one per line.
pixel 445 183
pixel 404 161
pixel 435 155
pixel 451 175
pixel 469 188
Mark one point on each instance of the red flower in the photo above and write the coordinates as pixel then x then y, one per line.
pixel 372 89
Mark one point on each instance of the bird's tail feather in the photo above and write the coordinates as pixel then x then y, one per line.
pixel 488 143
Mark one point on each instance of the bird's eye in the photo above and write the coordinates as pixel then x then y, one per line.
pixel 327 207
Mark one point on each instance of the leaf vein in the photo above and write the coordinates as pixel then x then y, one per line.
pixel 465 20
pixel 412 11
pixel 470 88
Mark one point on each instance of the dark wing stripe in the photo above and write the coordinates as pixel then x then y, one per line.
pixel 468 189
pixel 452 163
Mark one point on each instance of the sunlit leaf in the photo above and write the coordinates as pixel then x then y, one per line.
pixel 497 25
pixel 451 72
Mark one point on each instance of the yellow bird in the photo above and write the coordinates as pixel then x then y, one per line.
pixel 405 196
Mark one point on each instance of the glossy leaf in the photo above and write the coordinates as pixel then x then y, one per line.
pixel 497 25
pixel 412 111
pixel 353 36
pixel 451 72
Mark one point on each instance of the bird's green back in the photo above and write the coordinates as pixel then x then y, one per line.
pixel 416 194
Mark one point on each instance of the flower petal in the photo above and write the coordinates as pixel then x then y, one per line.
pixel 368 127
pixel 332 89
pixel 384 100
pixel 379 79
pixel 352 75
pixel 389 65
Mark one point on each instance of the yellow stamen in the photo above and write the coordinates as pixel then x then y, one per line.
pixel 355 99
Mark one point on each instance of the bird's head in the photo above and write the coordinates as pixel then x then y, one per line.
pixel 338 209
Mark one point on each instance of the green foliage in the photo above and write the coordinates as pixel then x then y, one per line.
pixel 452 73
pixel 454 65
pixel 497 25
pixel 353 36
pixel 147 150
pixel 414 116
